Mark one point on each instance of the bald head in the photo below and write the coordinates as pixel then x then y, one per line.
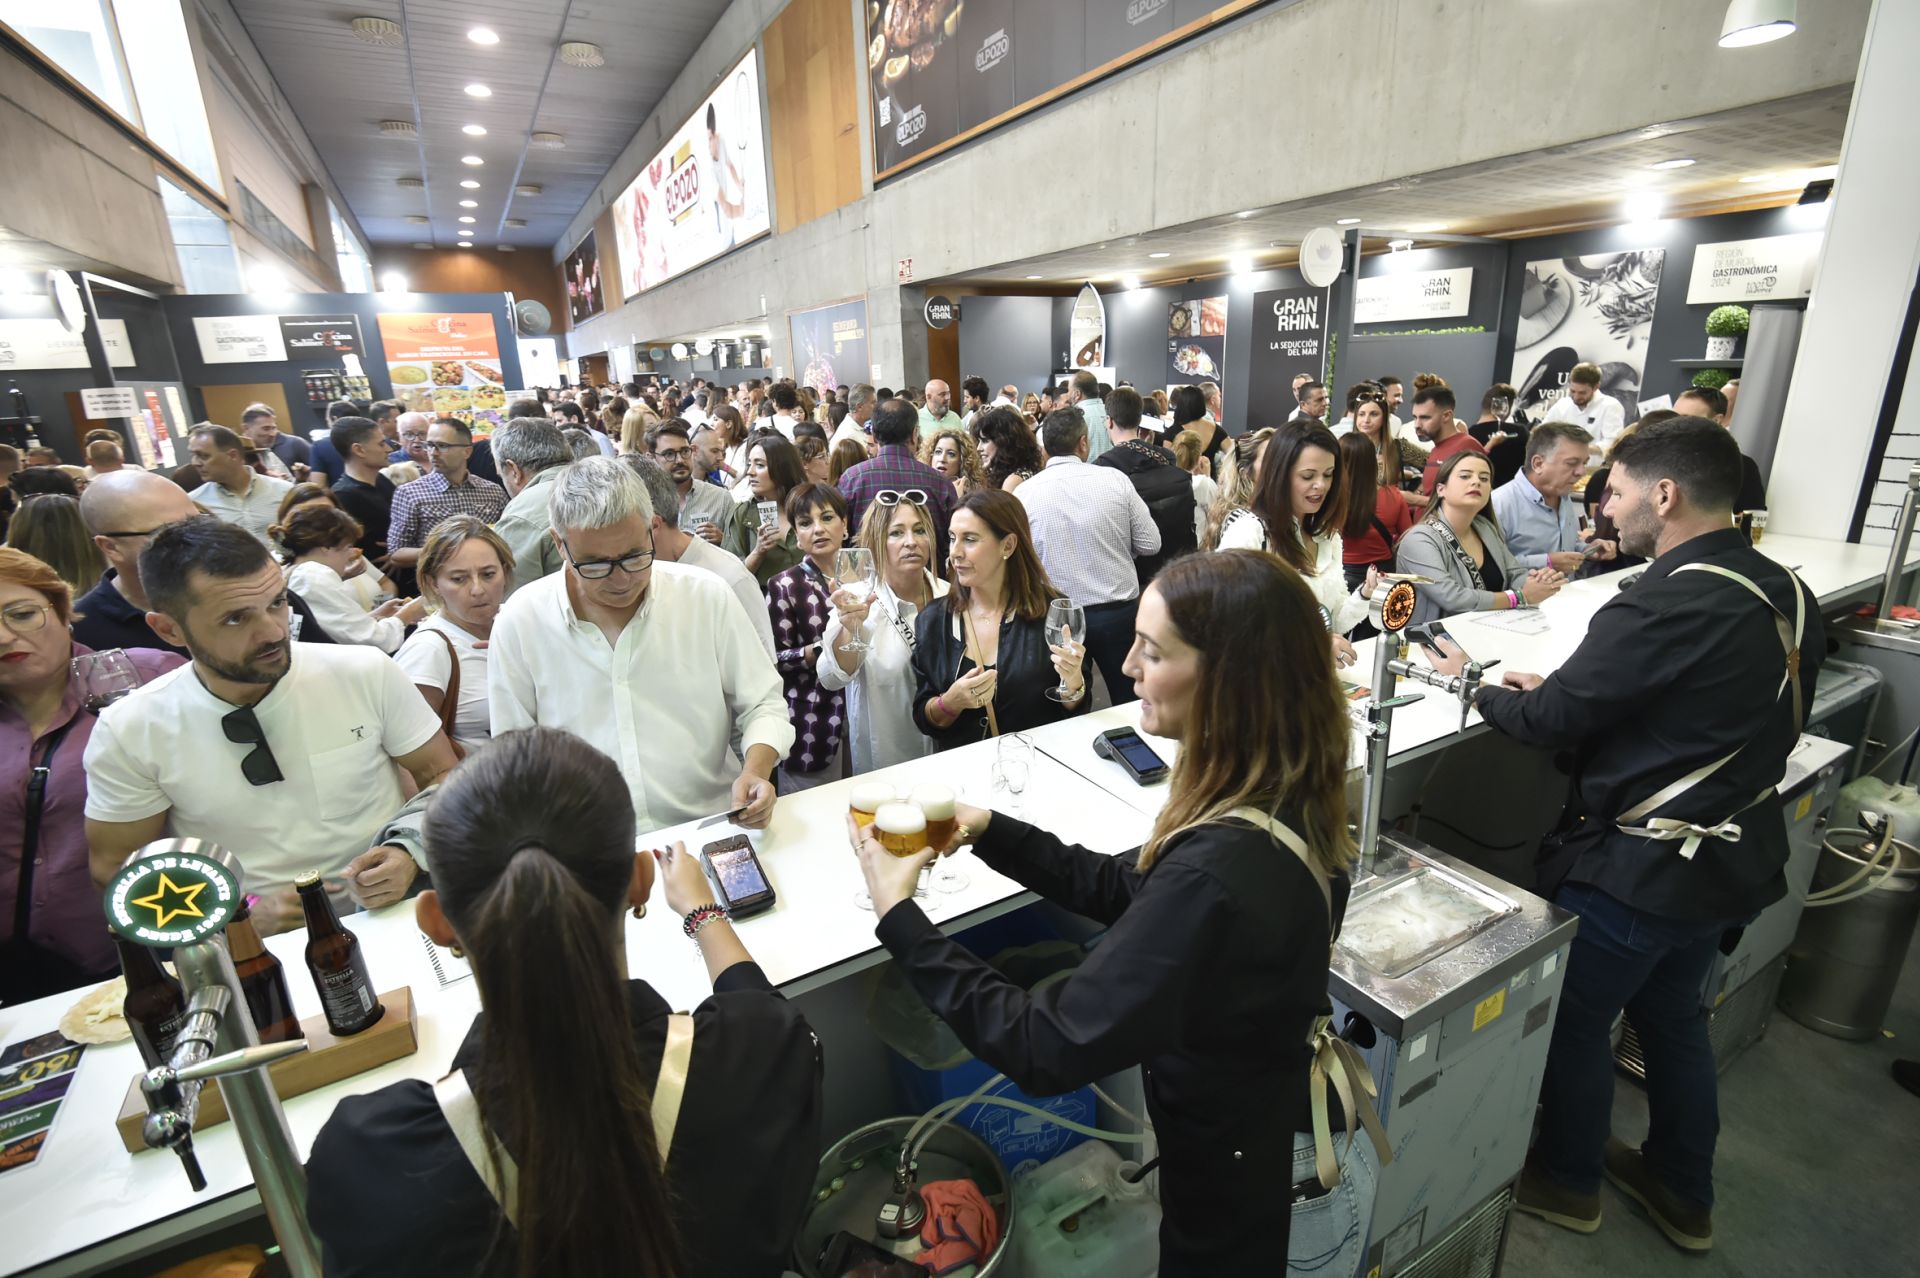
pixel 121 508
pixel 937 397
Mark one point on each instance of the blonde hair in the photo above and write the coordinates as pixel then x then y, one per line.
pixel 1236 481
pixel 634 427
pixel 878 519
pixel 445 541
pixel 48 527
pixel 1186 449
pixel 972 473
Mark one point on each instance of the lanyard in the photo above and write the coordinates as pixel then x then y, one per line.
pixel 39 777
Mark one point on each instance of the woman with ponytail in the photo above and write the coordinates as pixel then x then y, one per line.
pixel 538 1153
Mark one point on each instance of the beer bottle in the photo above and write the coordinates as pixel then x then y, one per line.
pixel 155 1007
pixel 334 958
pixel 262 980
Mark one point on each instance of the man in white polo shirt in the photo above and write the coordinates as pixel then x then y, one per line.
pixel 234 491
pixel 652 663
pixel 284 754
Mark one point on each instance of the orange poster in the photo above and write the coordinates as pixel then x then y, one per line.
pixel 445 364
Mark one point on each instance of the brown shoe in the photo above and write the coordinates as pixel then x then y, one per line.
pixel 1539 1195
pixel 1687 1226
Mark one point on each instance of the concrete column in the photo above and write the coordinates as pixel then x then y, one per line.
pixel 897 334
pixel 1860 296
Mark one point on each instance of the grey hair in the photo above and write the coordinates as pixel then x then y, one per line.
pixel 596 492
pixel 660 490
pixel 533 444
pixel 860 396
pixel 579 442
pixel 1547 436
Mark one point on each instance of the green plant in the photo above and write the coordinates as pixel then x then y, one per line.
pixel 1712 378
pixel 1427 332
pixel 1727 321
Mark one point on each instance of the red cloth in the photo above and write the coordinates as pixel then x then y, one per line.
pixel 961 1227
pixel 1441 451
pixel 1391 509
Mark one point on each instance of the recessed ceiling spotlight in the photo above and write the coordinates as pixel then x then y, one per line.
pixel 382 32
pixel 1347 221
pixel 1129 282
pixel 464 244
pixel 1751 22
pixel 474 130
pixel 1247 213
pixel 1678 162
pixel 479 91
pixel 1751 179
pixel 484 35
pixel 394 281
pixel 472 159
pixel 466 217
pixel 1399 246
pixel 578 53
pixel 469 204
pixel 469 184
pixel 1033 277
pixel 1644 208
pixel 1157 256
pixel 1241 263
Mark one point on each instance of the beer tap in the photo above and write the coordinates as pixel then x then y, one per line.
pixel 180 894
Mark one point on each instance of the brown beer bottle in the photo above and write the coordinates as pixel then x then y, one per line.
pixel 334 958
pixel 155 1007
pixel 262 980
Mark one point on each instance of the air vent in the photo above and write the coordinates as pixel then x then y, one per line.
pixel 416 220
pixel 548 142
pixel 516 222
pixel 504 248
pixel 528 188
pixel 378 31
pixel 578 53
pixel 399 130
pixel 411 184
pixel 420 244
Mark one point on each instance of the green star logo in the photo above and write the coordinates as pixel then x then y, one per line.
pixel 170 901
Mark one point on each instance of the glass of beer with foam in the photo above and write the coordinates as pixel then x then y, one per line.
pixel 901 829
pixel 936 803
pixel 865 798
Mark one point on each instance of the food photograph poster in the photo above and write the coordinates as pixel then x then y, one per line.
pixel 1196 341
pixel 1577 310
pixel 446 364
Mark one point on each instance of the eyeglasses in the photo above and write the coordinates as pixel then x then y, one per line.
pixel 25 618
pixel 433 446
pixel 600 569
pixel 412 437
pixel 243 728
pixel 126 536
pixel 894 496
pixel 673 454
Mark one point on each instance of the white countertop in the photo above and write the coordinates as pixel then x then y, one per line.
pixel 86 1189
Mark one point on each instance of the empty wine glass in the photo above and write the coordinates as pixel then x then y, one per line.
pixel 106 676
pixel 1012 768
pixel 1066 623
pixel 853 568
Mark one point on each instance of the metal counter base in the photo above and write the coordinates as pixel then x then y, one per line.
pixel 1458 1046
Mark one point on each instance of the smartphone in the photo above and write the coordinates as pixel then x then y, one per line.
pixel 1426 634
pixel 846 1256
pixel 736 874
pixel 1126 748
pixel 1589 550
pixel 770 515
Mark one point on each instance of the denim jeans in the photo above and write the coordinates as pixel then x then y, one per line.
pixel 1654 968
pixel 1109 635
pixel 1327 1234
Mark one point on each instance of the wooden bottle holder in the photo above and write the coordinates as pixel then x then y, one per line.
pixel 327 1060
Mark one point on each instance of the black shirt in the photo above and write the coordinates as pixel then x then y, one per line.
pixel 1211 972
pixel 1020 698
pixel 1675 672
pixel 389 1191
pixel 1168 492
pixel 371 505
pixel 103 618
pixel 1507 456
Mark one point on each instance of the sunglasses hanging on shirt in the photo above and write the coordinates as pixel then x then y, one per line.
pixel 243 728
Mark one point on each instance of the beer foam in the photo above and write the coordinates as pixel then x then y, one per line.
pixel 937 801
pixel 869 795
pixel 899 818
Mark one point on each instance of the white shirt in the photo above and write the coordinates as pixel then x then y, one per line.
pixel 1243 530
pixel 784 424
pixel 880 693
pixel 254 510
pixel 1603 417
pixel 701 553
pixel 1089 524
pixel 425 659
pixel 335 722
pixel 847 429
pixel 695 416
pixel 337 607
pixel 663 702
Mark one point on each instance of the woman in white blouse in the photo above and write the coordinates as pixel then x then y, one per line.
pixel 1296 513
pixel 464 570
pixel 321 545
pixel 879 681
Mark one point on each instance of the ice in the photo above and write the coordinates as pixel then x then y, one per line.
pixel 1402 925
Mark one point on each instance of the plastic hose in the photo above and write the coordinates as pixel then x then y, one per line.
pixel 938 1117
pixel 1132 1138
pixel 1838 894
pixel 1122 1110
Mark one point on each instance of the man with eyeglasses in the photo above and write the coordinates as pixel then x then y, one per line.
pixel 654 664
pixel 451 489
pixel 412 429
pixel 894 468
pixel 704 508
pixel 282 753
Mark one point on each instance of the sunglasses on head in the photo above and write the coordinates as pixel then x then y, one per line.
pixel 243 728
pixel 894 496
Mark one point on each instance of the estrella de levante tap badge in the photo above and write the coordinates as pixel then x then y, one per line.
pixel 175 893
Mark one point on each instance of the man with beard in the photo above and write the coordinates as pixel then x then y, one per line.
pixel 1443 436
pixel 281 753
pixel 1678 711
pixel 704 508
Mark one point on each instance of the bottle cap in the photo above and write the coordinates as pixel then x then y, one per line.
pixel 307 879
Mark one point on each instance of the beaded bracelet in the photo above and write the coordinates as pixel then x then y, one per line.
pixel 698 917
pixel 941 701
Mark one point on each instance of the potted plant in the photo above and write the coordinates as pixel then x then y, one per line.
pixel 1715 378
pixel 1724 325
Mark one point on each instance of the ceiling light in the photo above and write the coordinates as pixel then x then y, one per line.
pixel 1679 162
pixel 578 53
pixel 1241 264
pixel 548 141
pixel 416 219
pixel 1157 256
pixel 1347 221
pixel 1129 282
pixel 1033 277
pixel 528 188
pixel 1752 178
pixel 464 244
pixel 469 204
pixel 1644 208
pixel 466 217
pixel 472 159
pixel 382 32
pixel 399 130
pixel 1751 22
pixel 1428 228
pixel 393 282
pixel 484 35
pixel 1247 213
pixel 479 91
pixel 1399 246
pixel 1825 173
pixel 469 184
pixel 410 184
pixel 474 130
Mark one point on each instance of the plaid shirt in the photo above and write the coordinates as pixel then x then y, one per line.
pixel 895 469
pixel 422 504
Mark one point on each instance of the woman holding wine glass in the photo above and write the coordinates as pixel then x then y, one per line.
pixel 981 661
pixel 799 601
pixel 877 668
pixel 51 691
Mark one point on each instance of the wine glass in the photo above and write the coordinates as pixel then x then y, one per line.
pixel 937 804
pixel 853 568
pixel 106 676
pixel 1012 767
pixel 1066 622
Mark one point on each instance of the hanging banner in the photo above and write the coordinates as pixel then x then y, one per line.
pixel 1576 310
pixel 1087 330
pixel 1778 268
pixel 240 339
pixel 1289 337
pixel 320 336
pixel 582 273
pixel 1412 295
pixel 35 344
pixel 445 364
pixel 830 344
pixel 703 194
pixel 1196 341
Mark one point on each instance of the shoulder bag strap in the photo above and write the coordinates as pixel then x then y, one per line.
pixel 670 1089
pixel 39 777
pixel 1460 552
pixel 966 619
pixel 450 702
